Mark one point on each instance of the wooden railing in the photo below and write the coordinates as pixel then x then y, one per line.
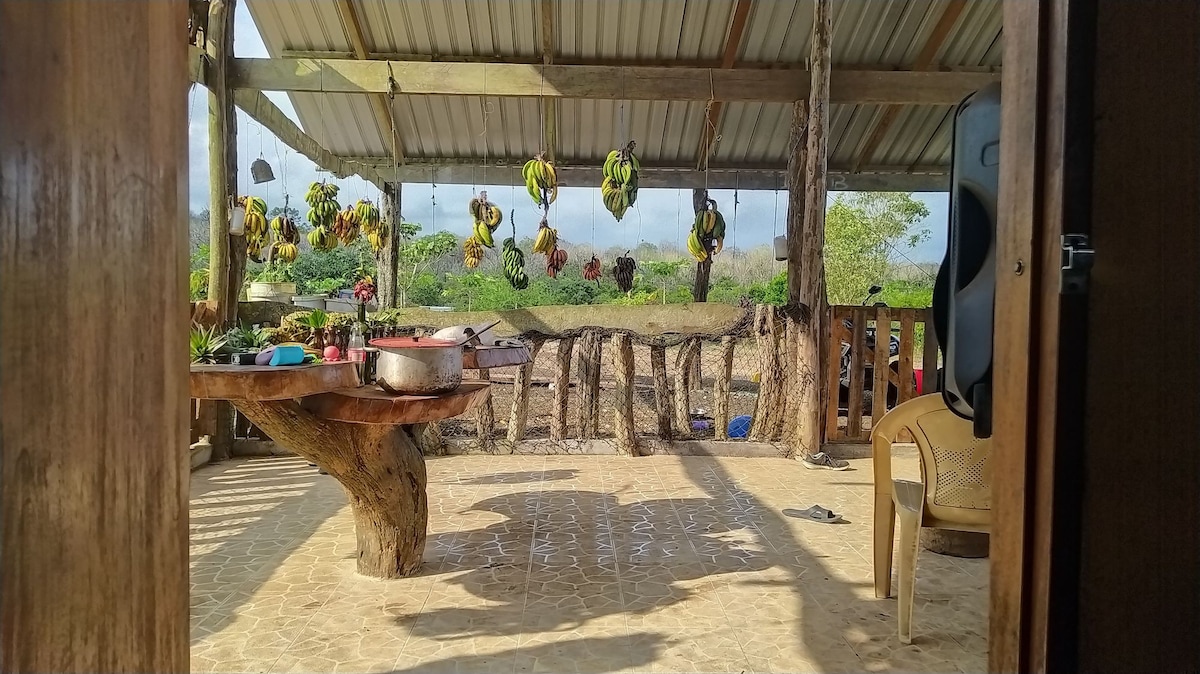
pixel 877 381
pixel 629 388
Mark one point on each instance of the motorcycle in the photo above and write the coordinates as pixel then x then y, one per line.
pixel 868 381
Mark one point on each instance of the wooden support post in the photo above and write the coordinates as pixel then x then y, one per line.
pixel 662 391
pixel 769 412
pixel 485 419
pixel 625 435
pixel 222 189
pixel 721 389
pixel 833 366
pixel 388 259
pixel 93 264
pixel 689 352
pixel 858 353
pixel 562 388
pixel 519 415
pixel 812 262
pixel 589 384
pixel 796 167
pixel 908 325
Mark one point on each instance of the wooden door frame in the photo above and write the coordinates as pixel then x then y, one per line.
pixel 1044 178
pixel 1100 134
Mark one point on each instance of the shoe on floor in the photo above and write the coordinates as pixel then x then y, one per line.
pixel 822 461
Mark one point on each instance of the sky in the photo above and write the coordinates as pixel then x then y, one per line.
pixel 659 215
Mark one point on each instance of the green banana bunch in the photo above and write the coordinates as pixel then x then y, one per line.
pixel 541 180
pixel 368 216
pixel 618 190
pixel 708 227
pixel 323 205
pixel 514 264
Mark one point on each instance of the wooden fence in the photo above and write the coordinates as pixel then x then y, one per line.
pixel 637 391
pixel 876 382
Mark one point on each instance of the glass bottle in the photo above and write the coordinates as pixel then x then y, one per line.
pixel 356 348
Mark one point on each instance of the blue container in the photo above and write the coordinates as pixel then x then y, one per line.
pixel 287 355
pixel 739 426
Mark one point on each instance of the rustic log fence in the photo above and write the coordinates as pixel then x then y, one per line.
pixel 602 390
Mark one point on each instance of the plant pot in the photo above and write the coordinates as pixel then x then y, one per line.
pixel 261 291
pixel 341 306
pixel 310 301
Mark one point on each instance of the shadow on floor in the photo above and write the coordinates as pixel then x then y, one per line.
pixel 245 519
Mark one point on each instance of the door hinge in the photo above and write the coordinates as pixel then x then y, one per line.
pixel 1077 259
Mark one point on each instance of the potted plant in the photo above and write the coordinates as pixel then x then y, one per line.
pixel 248 339
pixel 273 284
pixel 316 321
pixel 319 293
pixel 205 345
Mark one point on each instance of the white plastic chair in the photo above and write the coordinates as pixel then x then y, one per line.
pixel 955 491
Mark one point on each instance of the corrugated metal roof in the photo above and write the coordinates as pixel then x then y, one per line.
pixel 866 33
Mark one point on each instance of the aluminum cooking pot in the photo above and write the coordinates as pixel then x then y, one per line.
pixel 418 365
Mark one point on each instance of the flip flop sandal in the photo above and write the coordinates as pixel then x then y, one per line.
pixel 815 513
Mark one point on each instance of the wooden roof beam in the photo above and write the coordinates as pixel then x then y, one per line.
pixel 380 105
pixel 923 61
pixel 712 115
pixel 901 87
pixel 452 171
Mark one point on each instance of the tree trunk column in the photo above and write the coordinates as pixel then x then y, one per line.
pixel 381 470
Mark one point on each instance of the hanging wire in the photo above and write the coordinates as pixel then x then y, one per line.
pixel 736 181
pixel 678 210
pixel 593 226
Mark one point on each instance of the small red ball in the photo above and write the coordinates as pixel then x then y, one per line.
pixel 331 353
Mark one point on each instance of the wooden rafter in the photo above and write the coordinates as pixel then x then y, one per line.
pixel 923 61
pixel 549 105
pixel 584 61
pixel 733 44
pixel 847 85
pixel 468 171
pixel 380 104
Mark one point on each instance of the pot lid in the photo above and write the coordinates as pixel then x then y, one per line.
pixel 412 343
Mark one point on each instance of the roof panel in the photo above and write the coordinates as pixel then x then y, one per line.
pixel 866 32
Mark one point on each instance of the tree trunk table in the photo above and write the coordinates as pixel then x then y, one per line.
pixel 359 434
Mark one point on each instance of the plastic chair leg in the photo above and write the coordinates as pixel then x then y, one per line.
pixel 910 534
pixel 885 538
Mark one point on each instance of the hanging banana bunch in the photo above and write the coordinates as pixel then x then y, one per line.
pixel 709 227
pixel 287 236
pixel 623 272
pixel 372 224
pixel 591 270
pixel 472 252
pixel 346 226
pixel 546 239
pixel 514 264
pixel 255 226
pixel 487 217
pixel 541 181
pixel 322 214
pixel 619 187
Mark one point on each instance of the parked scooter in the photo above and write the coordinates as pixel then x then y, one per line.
pixel 868 382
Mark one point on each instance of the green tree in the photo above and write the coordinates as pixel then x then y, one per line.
pixel 863 231
pixel 417 254
pixel 664 273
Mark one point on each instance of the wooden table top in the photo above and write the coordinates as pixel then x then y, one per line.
pixel 264 382
pixel 373 405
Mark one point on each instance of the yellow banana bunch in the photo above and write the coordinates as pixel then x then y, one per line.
pixel 472 252
pixel 483 234
pixel 696 247
pixel 541 180
pixel 378 237
pixel 322 239
pixel 546 240
pixel 619 188
pixel 287 252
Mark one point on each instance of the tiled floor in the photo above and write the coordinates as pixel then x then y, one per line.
pixel 568 564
